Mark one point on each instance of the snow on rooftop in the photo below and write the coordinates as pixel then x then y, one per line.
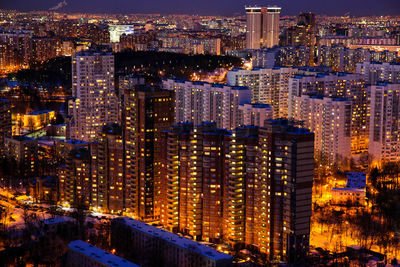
pixel 99 254
pixel 57 220
pixel 356 179
pixel 174 239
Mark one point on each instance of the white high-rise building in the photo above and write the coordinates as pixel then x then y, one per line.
pixel 268 86
pixel 375 72
pixel 384 134
pixel 329 120
pixel 334 85
pixel 94 101
pixel 200 101
pixel 255 114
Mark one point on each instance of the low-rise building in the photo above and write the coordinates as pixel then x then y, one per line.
pixel 255 114
pixel 139 241
pixel 24 151
pixel 38 119
pixel 44 189
pixel 347 194
pixel 82 254
pixel 61 226
pixel 354 192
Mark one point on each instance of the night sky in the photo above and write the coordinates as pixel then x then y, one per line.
pixel 210 7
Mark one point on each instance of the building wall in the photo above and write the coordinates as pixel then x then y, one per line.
pixel 329 120
pixel 251 187
pixel 350 86
pixel 200 101
pixel 94 102
pixel 147 114
pixel 268 86
pixel 384 122
pixel 5 123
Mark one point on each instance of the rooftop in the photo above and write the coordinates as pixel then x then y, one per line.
pixel 74 141
pixel 356 180
pixel 348 189
pixel 99 254
pixel 55 220
pixel 21 138
pixel 40 112
pixel 93 53
pixel 259 105
pixel 286 126
pixel 174 239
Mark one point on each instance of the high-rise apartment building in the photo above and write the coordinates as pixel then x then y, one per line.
pixel 94 102
pixel 336 85
pixel 375 72
pixel 283 200
pixel 262 27
pixel 175 170
pixel 5 123
pixel 302 34
pixel 270 22
pixel 251 186
pixel 107 176
pixel 24 150
pixel 200 101
pixel 240 186
pixel 384 131
pixel 329 119
pixel 93 174
pixel 193 201
pixel 75 178
pixel 298 56
pixel 255 114
pixel 268 86
pixel 148 112
pixel 126 82
pixel 15 49
pixel 253 27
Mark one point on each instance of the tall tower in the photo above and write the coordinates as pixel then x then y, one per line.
pixel 5 122
pixel 262 27
pixel 254 27
pixel 270 24
pixel 384 131
pixel 286 171
pixel 147 113
pixel 107 177
pixel 94 101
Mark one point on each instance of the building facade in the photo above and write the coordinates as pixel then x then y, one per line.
pixel 255 114
pixel 137 240
pixel 148 112
pixel 336 85
pixel 82 254
pixel 375 72
pixel 200 101
pixel 94 102
pixel 5 123
pixel 262 26
pixel 249 187
pixel 268 86
pixel 329 119
pixel 384 128
pixel 24 152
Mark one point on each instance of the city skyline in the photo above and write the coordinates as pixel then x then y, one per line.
pixel 223 8
pixel 198 140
